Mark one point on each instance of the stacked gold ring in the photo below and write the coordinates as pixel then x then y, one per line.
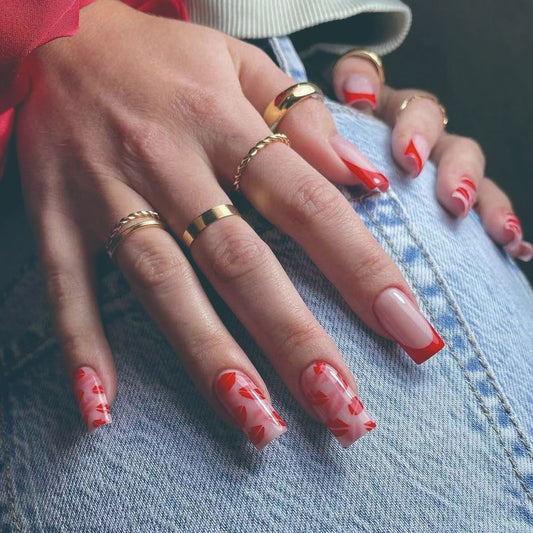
pixel 122 228
pixel 295 94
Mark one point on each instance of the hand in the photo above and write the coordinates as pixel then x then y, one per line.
pixel 418 134
pixel 141 112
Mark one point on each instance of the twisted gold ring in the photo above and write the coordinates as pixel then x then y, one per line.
pixel 205 219
pixel 407 101
pixel 369 56
pixel 276 137
pixel 122 228
pixel 295 94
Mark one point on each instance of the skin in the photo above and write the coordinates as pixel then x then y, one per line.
pixel 141 112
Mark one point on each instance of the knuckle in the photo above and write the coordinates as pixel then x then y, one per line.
pixel 76 343
pixel 62 288
pixel 467 144
pixel 314 200
pixel 298 336
pixel 371 267
pixel 143 141
pixel 238 255
pixel 156 267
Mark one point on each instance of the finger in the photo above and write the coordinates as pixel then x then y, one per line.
pixel 294 197
pixel 415 129
pixel 166 284
pixel 309 125
pixel 246 274
pixel 461 167
pixel 500 221
pixel 70 287
pixel 356 82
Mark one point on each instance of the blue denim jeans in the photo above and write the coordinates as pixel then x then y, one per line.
pixel 452 451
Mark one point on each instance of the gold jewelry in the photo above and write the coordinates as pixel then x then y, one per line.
pixel 118 235
pixel 276 137
pixel 407 101
pixel 208 217
pixel 278 107
pixel 369 56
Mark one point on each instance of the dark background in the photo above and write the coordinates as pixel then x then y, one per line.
pixel 476 57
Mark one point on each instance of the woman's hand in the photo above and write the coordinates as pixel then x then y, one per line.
pixel 140 112
pixel 418 134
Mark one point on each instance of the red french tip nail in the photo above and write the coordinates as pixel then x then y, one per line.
pixel 412 152
pixel 353 98
pixel 420 355
pixel 371 179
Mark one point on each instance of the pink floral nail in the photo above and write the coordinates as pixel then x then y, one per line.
pixel 249 407
pixel 91 397
pixel 335 403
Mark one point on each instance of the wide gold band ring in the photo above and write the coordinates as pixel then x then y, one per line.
pixel 407 101
pixel 123 228
pixel 276 137
pixel 369 56
pixel 279 107
pixel 205 219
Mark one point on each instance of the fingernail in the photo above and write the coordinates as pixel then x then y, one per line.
pixel 91 397
pixel 417 153
pixel 248 406
pixel 359 91
pixel 335 403
pixel 515 234
pixel 525 252
pixel 465 193
pixel 358 164
pixel 407 325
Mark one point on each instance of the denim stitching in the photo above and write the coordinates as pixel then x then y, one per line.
pixel 478 396
pixel 9 480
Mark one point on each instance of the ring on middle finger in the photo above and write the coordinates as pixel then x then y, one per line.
pixel 442 109
pixel 205 219
pixel 281 104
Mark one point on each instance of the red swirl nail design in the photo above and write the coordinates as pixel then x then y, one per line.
pixel 466 194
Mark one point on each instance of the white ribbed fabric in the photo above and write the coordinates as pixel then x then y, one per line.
pixel 254 19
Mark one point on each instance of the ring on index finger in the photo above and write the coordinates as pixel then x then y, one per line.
pixel 281 104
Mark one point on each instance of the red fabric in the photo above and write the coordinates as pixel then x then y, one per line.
pixel 27 24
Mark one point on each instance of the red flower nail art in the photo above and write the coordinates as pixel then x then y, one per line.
pixel 91 398
pixel 249 407
pixel 335 403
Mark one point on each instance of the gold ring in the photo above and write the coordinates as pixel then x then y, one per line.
pixel 407 101
pixel 370 56
pixel 276 137
pixel 278 107
pixel 205 219
pixel 121 229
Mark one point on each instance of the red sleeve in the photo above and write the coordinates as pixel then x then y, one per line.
pixel 26 24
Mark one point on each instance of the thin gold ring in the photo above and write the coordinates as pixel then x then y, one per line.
pixel 144 213
pixel 276 137
pixel 119 237
pixel 281 104
pixel 407 101
pixel 370 56
pixel 205 219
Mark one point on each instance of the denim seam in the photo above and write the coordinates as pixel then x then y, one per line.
pixel 471 340
pixel 7 469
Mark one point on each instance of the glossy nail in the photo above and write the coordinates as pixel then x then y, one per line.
pixel 358 91
pixel 335 403
pixel 92 399
pixel 407 325
pixel 359 165
pixel 465 193
pixel 516 247
pixel 248 406
pixel 416 153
